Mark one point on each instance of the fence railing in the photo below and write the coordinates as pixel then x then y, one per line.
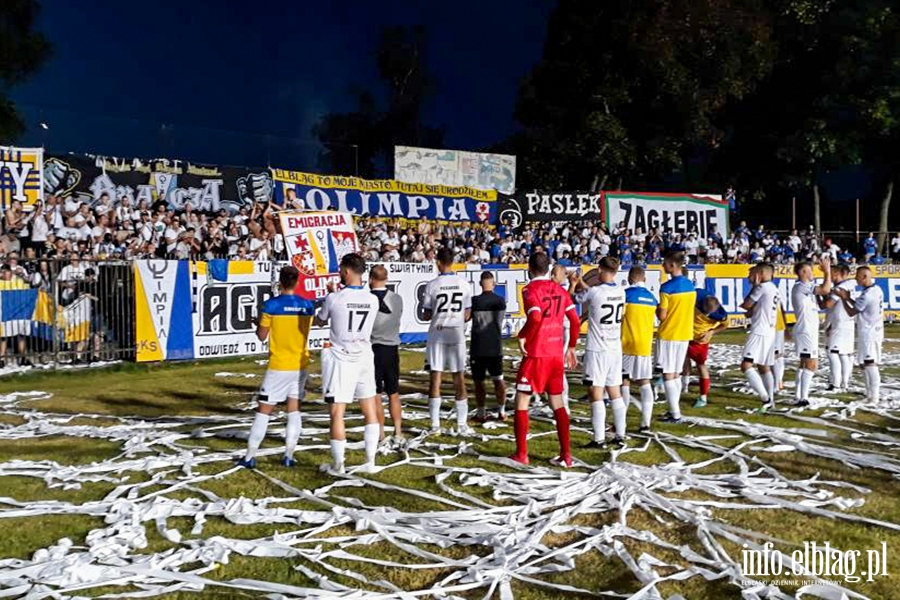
pixel 56 312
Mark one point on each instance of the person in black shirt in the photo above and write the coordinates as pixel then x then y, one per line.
pixel 488 310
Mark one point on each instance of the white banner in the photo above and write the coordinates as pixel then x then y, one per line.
pixel 682 213
pixel 455 167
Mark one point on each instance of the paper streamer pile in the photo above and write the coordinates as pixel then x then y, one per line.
pixel 507 539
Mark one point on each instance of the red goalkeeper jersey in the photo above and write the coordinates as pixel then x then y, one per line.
pixel 547 306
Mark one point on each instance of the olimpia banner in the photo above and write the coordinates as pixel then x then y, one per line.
pixel 206 188
pixel 682 213
pixel 20 176
pixel 384 198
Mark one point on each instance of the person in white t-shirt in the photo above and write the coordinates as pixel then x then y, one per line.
pixel 348 365
pixel 839 330
pixel 603 354
pixel 868 308
pixel 759 349
pixel 806 326
pixel 448 306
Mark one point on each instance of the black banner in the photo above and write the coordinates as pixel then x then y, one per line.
pixel 543 206
pixel 206 188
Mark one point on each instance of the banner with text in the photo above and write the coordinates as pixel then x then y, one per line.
pixel 681 213
pixel 184 312
pixel 383 197
pixel 20 176
pixel 316 243
pixel 455 167
pixel 544 206
pixel 206 188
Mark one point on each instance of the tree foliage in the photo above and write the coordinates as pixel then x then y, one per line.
pixel 362 141
pixel 22 52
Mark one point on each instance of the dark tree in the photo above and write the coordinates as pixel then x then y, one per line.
pixel 628 91
pixel 362 141
pixel 22 52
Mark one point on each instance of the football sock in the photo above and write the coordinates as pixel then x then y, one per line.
pixel 769 383
pixel 619 410
pixel 805 383
pixel 626 395
pixel 846 370
pixel 562 430
pixel 292 433
pixel 704 386
pixel 520 426
pixel 371 433
pixel 462 413
pixel 873 380
pixel 646 404
pixel 756 383
pixel 837 376
pixel 257 434
pixel 337 451
pixel 673 396
pixel 778 371
pixel 434 408
pixel 598 420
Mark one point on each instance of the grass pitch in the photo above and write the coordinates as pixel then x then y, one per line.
pixel 191 391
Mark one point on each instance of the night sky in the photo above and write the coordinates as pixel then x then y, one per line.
pixel 242 82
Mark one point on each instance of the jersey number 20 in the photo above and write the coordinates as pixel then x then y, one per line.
pixel 608 310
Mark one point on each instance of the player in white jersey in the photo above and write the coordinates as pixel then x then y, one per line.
pixel 603 356
pixel 806 325
pixel 448 305
pixel 839 330
pixel 869 311
pixel 759 349
pixel 348 364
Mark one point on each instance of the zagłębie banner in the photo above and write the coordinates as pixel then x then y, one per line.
pixel 20 176
pixel 682 213
pixel 206 188
pixel 383 197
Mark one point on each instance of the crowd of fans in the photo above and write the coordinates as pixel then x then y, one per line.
pixel 67 227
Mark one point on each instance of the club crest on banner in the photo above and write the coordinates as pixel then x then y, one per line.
pixel 316 242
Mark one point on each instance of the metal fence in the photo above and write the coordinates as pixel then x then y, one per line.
pixel 60 311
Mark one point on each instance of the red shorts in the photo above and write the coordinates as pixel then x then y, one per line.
pixel 541 374
pixel 698 352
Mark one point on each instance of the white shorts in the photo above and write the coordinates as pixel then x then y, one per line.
pixel 446 358
pixel 344 381
pixel 806 344
pixel 868 349
pixel 779 343
pixel 278 386
pixel 670 355
pixel 840 341
pixel 760 349
pixel 637 367
pixel 603 369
